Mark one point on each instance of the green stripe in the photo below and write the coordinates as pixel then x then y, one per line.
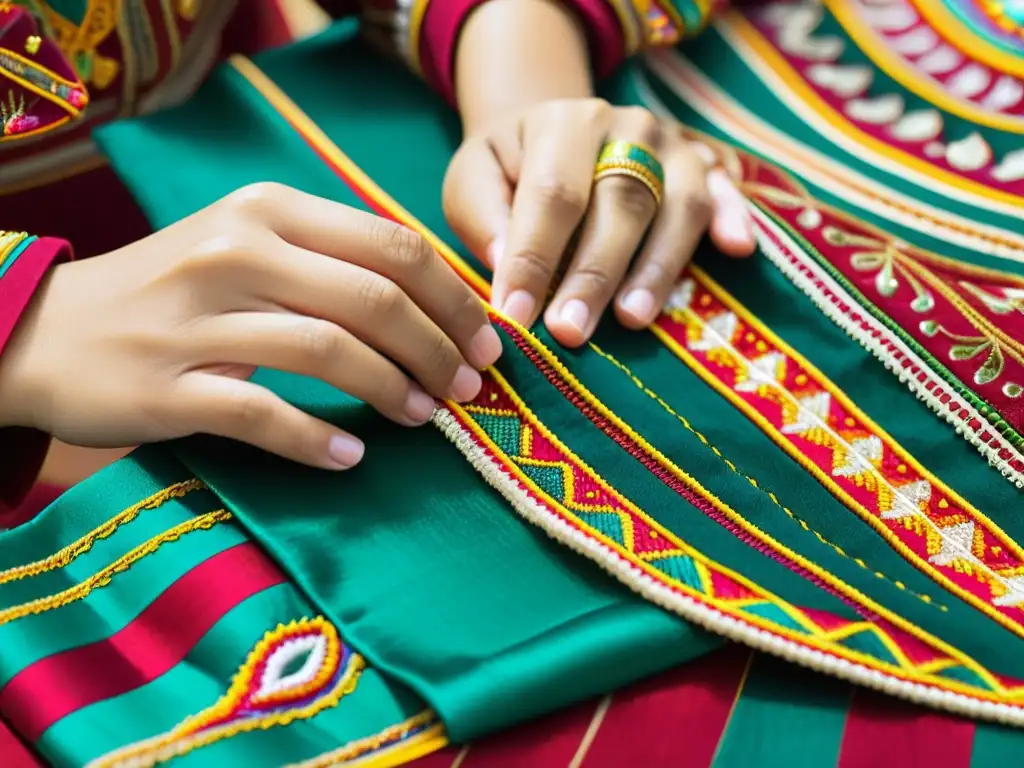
pixel 733 77
pixel 91 503
pixel 786 716
pixel 12 257
pixel 108 609
pixel 204 676
pixel 996 745
pixel 149 524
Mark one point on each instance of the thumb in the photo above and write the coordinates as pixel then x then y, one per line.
pixel 477 200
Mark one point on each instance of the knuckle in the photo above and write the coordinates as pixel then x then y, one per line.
pixel 562 196
pixel 529 266
pixel 380 296
pixel 442 359
pixel 248 410
pixel 593 278
pixel 319 341
pixel 641 120
pixel 597 109
pixel 255 199
pixel 229 251
pixel 406 251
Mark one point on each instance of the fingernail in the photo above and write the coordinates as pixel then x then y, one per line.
pixel 576 314
pixel 640 304
pixel 520 306
pixel 345 451
pixel 466 384
pixel 419 406
pixel 494 251
pixel 484 347
pixel 720 186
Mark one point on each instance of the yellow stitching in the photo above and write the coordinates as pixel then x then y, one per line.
pixel 79 547
pixel 305 127
pixel 813 641
pixel 682 420
pixel 769 429
pixel 360 747
pixel 102 578
pixel 709 284
pixel 188 736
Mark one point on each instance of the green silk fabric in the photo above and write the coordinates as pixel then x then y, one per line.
pixel 457 602
pixel 439 586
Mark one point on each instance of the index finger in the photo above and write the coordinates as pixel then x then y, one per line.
pixel 389 249
pixel 552 195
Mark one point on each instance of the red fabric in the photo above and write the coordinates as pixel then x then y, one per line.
pixel 882 732
pixel 14 753
pixel 673 720
pixel 256 26
pixel 22 451
pixel 444 19
pixel 154 642
pixel 38 498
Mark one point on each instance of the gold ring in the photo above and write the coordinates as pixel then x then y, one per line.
pixel 625 158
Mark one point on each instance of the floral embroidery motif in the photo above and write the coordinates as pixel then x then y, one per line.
pixel 552 488
pixel 814 422
pixel 293 673
pixel 935 676
pixel 905 295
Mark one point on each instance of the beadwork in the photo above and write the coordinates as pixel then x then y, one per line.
pixel 263 695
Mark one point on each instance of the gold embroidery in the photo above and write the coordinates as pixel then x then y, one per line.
pixel 82 545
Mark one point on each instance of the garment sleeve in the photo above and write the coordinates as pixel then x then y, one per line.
pixel 24 260
pixel 424 32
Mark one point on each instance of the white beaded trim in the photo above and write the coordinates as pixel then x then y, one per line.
pixel 713 620
pixel 876 345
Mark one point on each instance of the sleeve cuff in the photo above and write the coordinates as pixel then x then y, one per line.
pixel 443 20
pixel 24 261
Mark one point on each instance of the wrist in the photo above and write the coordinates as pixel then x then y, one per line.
pixel 21 387
pixel 514 54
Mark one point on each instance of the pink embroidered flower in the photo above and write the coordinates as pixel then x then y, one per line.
pixel 20 124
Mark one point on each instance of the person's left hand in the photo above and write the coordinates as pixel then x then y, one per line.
pixel 522 196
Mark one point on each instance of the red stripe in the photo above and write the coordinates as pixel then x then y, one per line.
pixel 15 754
pixel 676 719
pixel 545 743
pixel 883 731
pixel 155 641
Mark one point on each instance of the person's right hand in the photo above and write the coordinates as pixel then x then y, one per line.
pixel 157 340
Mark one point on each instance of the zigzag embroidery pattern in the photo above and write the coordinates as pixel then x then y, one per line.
pixel 933 528
pixel 502 427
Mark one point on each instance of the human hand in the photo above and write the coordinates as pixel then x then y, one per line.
pixel 157 340
pixel 522 196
